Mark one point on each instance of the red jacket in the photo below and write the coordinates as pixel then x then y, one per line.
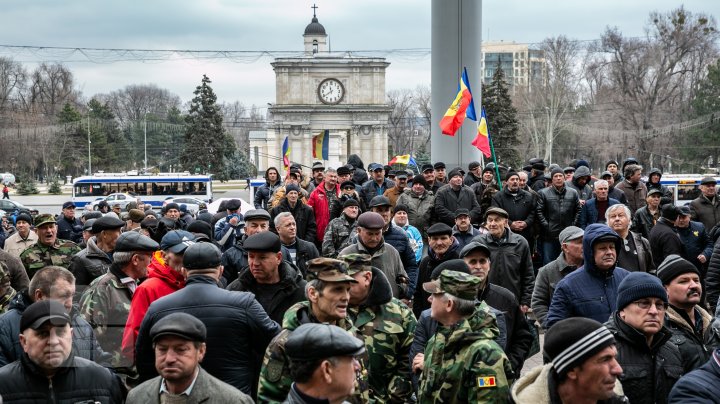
pixel 320 204
pixel 161 281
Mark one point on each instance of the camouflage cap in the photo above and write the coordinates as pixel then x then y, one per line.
pixel 329 270
pixel 458 284
pixel 44 219
pixel 4 275
pixel 357 262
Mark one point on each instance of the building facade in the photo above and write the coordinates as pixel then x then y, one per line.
pixel 521 64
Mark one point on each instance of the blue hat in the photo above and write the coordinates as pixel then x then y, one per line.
pixel 176 241
pixel 639 285
pixel 375 166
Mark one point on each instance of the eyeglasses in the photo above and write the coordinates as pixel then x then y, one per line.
pixel 348 188
pixel 645 304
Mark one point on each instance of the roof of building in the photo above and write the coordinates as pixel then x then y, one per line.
pixel 314 28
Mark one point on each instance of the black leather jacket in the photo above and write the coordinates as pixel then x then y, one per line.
pixel 557 210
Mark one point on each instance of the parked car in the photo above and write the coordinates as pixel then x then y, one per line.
pixel 10 205
pixel 192 204
pixel 116 198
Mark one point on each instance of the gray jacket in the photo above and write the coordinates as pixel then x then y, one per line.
pixel 548 276
pixel 207 389
pixel 421 209
pixel 387 259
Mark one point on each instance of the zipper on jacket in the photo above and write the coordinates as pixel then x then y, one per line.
pixel 51 391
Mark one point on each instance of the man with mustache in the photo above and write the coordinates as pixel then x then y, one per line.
pixel 689 322
pixel 651 363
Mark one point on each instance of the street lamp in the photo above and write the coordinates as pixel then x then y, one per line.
pixel 89 156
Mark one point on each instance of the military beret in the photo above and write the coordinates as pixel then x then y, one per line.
pixel 265 241
pixel 379 200
pixel 328 270
pixel 202 256
pixel 233 204
pixel 134 241
pixel 458 284
pixel 357 262
pixel 171 205
pixel 472 246
pixel 181 325
pixel 176 241
pixel 136 215
pixel 45 218
pixel 24 217
pixel 257 214
pixel 438 229
pixel 109 222
pixel 371 221
pixel 42 311
pixel 313 342
pixel 498 211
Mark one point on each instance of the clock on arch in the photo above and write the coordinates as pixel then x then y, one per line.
pixel 331 91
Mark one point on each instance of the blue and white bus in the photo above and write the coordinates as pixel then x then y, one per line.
pixel 684 187
pixel 151 189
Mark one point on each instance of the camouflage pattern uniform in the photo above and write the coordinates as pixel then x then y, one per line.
pixel 463 364
pixel 387 326
pixel 9 292
pixel 337 236
pixel 38 256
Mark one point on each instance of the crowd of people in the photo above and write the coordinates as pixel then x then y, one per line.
pixel 369 285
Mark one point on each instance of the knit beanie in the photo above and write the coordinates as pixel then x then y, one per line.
pixel 291 187
pixel 556 170
pixel 350 202
pixel 569 342
pixel 673 266
pixel 510 174
pixel 456 171
pixel 419 179
pixel 400 208
pixel 639 285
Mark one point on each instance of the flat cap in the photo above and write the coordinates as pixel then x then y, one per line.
pixel 357 262
pixel 312 342
pixel 133 241
pixel 45 218
pixel 708 180
pixel 605 174
pixel 379 200
pixel 472 246
pixel 233 204
pixel 136 215
pixel 176 241
pixel 497 211
pixel 570 233
pixel 202 256
pixel 347 184
pixel 42 311
pixel 329 270
pixel 318 165
pixel 461 212
pixel 257 214
pixel 291 187
pixel 109 222
pixel 458 284
pixel 371 221
pixel 87 226
pixel 438 229
pixel 684 210
pixel 343 170
pixel 265 241
pixel 426 167
pixel 350 202
pixel 68 205
pixel 400 174
pixel 181 325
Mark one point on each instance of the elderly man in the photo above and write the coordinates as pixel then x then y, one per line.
pixel 370 240
pixel 519 204
pixel 456 196
pixel 428 174
pixel 651 362
pixel 48 370
pixel 22 238
pixel 646 217
pixel 511 260
pixel 420 202
pixel 558 207
pixel 579 182
pixel 229 229
pixel 463 231
pixel 337 234
pixel 276 283
pixel 583 367
pixel 689 323
pixel 321 199
pixel 457 352
pixel 442 247
pixel 635 190
pixel 105 304
pixel 613 192
pixel 94 261
pixel 50 283
pixel 301 251
pixel 594 209
pixel 49 249
pixel 706 207
pixel 323 363
pixel 590 291
pixel 328 294
pixel 571 257
pixel 179 342
pixel 235 258
pixel 69 227
pixel 635 254
pixel 303 214
pixel 387 326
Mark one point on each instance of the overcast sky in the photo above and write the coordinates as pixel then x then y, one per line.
pixel 278 25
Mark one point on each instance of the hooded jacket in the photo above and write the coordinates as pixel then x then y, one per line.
pixel 538 386
pixel 588 291
pixel 584 191
pixel 360 175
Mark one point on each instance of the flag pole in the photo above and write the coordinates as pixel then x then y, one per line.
pixel 497 170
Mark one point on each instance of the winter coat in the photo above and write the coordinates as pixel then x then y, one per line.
pixel 587 292
pixel 207 389
pixel 695 349
pixel 649 372
pixel 291 291
pixel 304 219
pixel 470 179
pixel 537 182
pixel 83 339
pixel 557 209
pixel 69 229
pixel 421 209
pixel 279 194
pixel 320 204
pixel 712 279
pixel 336 205
pixel 696 242
pixel 644 221
pixel 15 244
pixel 539 386
pixel 699 386
pixel 396 237
pixel 545 284
pixel 584 192
pixel 510 264
pixel 393 194
pixel 238 330
pixel 635 194
pixel 360 175
pixel 224 230
pixel 415 239
pixel 520 206
pixel 425 269
pixel 77 380
pixel 664 241
pixel 264 192
pixel 304 252
pixel 667 195
pixel 447 201
pixel 371 189
pixel 89 264
pixel 589 212
pixel 387 258
pixel 337 236
pixel 643 259
pixel 18 276
pixel 702 210
pixel 618 195
pixel 465 237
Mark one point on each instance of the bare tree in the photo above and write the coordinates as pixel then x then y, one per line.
pixel 12 80
pixel 400 123
pixel 52 85
pixel 134 101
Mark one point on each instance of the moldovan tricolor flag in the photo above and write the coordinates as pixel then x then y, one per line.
pixel 286 153
pixel 461 107
pixel 321 144
pixel 403 159
pixel 482 140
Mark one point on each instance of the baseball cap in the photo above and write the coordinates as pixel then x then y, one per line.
pixel 176 241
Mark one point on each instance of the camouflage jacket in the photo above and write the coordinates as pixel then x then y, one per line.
pixel 463 365
pixel 275 380
pixel 105 304
pixel 387 326
pixel 337 236
pixel 6 299
pixel 38 256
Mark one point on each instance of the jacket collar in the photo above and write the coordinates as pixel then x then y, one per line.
pixel 636 337
pixel 380 290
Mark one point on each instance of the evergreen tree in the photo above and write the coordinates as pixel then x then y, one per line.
pixel 110 149
pixel 71 146
pixel 706 101
pixel 208 147
pixel 502 119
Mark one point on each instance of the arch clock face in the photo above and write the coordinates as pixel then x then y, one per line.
pixel 331 91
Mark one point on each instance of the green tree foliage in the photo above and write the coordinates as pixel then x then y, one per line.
pixel 54 187
pixel 27 187
pixel 208 147
pixel 696 147
pixel 110 149
pixel 502 119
